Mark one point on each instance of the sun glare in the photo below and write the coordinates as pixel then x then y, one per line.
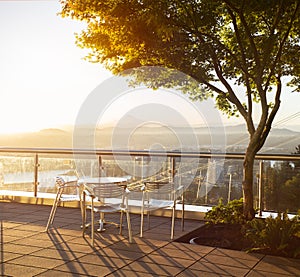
pixel 43 77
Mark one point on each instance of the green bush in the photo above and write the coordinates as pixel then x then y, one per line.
pixel 275 236
pixel 279 235
pixel 231 213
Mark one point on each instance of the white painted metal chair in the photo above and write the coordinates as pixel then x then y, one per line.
pixel 68 190
pixel 159 195
pixel 106 198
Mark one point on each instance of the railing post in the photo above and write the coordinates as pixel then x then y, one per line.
pixel 172 169
pixel 36 175
pixel 229 187
pixel 142 168
pixel 100 168
pixel 260 187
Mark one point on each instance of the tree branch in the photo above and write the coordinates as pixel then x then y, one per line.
pixel 231 95
pixel 267 51
pixel 246 72
pixel 247 30
pixel 194 30
pixel 279 52
pixel 239 40
pixel 271 117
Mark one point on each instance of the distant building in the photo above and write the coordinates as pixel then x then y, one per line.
pixel 213 173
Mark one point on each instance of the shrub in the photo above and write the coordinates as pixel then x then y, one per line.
pixel 279 235
pixel 231 213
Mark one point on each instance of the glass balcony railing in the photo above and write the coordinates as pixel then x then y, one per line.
pixel 206 177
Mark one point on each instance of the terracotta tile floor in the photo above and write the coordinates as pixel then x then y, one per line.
pixel 26 250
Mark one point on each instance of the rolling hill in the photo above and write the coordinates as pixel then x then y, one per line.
pixel 280 140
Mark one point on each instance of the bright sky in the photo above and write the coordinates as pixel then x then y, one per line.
pixel 43 77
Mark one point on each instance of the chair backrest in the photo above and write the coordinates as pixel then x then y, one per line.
pixel 68 184
pixel 59 182
pixel 107 192
pixel 161 190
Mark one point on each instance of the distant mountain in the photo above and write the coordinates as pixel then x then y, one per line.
pixel 280 140
pixel 44 138
pixel 52 131
pixel 241 128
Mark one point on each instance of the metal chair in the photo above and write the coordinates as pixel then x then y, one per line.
pixel 106 198
pixel 68 190
pixel 159 195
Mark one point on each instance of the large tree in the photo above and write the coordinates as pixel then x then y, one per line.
pixel 222 44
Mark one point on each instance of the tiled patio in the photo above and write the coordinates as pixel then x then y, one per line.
pixel 26 250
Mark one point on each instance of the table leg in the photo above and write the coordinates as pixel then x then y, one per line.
pixel 101 223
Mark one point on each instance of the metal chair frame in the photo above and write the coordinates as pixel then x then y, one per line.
pixel 62 185
pixel 105 196
pixel 148 204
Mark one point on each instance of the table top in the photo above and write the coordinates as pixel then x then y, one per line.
pixel 102 180
pixel 90 183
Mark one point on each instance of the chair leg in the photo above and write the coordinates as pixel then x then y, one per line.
pixel 101 223
pixel 53 209
pixel 92 222
pixel 83 213
pixel 82 206
pixel 129 227
pixel 142 221
pixel 128 221
pixel 173 222
pixel 148 219
pixel 121 222
pixel 142 214
pixel 182 214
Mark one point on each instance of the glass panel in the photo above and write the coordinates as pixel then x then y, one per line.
pixel 282 186
pixel 205 181
pixel 51 166
pixel 215 179
pixel 17 172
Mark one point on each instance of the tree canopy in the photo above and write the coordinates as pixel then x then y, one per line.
pixel 219 43
pixel 253 43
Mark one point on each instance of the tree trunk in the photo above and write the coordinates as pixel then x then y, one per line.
pixel 249 211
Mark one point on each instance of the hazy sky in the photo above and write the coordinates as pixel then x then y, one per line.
pixel 43 77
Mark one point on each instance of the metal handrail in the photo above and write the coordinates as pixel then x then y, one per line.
pixel 183 154
pixel 144 153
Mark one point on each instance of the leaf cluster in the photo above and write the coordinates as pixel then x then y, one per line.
pixel 279 235
pixel 220 44
pixel 207 40
pixel 231 213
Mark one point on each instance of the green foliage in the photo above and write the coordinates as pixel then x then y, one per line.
pixel 279 235
pixel 210 40
pixel 237 52
pixel 276 236
pixel 231 213
pixel 282 186
pixel 297 152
